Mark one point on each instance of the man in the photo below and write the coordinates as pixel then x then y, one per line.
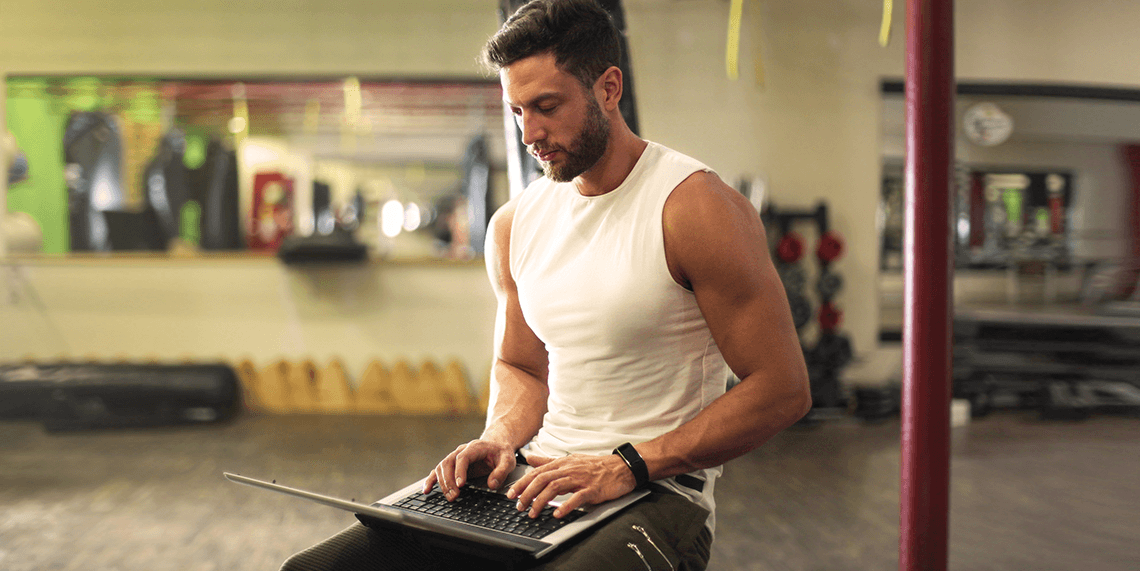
pixel 626 277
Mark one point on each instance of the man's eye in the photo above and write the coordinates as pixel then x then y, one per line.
pixel 516 111
pixel 546 110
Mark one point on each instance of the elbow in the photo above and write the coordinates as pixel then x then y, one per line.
pixel 804 405
pixel 799 400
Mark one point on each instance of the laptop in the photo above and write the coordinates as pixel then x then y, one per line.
pixel 480 521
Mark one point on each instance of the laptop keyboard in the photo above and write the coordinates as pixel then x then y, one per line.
pixel 487 509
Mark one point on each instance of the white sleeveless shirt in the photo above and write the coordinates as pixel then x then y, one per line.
pixel 631 356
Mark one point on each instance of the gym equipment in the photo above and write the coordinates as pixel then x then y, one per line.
pixel 876 403
pixel 93 150
pixel 84 396
pixel 323 218
pixel 221 223
pixel 1064 364
pixel 829 317
pixel 829 284
pixel 793 277
pixel 801 310
pixel 832 351
pixel 476 186
pixel 791 248
pixel 830 247
pixel 337 246
pixel 166 185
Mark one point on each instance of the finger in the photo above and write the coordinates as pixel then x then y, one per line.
pixel 535 487
pixel 522 483
pixel 572 503
pixel 462 461
pixel 447 479
pixel 440 480
pixel 503 467
pixel 551 491
pixel 429 482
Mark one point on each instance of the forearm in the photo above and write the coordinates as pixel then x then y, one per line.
pixel 739 421
pixel 517 405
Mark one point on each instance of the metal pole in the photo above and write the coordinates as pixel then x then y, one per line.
pixel 928 277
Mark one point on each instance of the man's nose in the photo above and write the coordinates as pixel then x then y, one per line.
pixel 532 129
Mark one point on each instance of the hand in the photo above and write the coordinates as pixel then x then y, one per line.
pixel 591 480
pixel 478 457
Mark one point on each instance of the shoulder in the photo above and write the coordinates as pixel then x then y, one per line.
pixel 709 228
pixel 502 220
pixel 703 199
pixel 497 247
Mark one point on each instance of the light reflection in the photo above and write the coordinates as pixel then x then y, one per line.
pixel 392 218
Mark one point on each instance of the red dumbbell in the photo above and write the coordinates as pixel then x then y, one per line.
pixel 830 247
pixel 791 248
pixel 829 317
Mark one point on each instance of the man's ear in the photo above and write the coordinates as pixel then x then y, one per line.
pixel 608 88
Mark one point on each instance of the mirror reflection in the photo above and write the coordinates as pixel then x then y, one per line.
pixel 1042 188
pixel 304 168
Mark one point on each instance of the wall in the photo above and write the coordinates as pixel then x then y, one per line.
pixel 812 130
pixel 247 308
pixel 255 37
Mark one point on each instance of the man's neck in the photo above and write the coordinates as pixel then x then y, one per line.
pixel 624 149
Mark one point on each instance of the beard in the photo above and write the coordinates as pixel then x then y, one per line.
pixel 585 149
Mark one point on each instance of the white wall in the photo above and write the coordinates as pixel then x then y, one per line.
pixel 238 308
pixel 256 37
pixel 813 130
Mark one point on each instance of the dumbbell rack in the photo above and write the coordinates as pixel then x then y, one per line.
pixel 831 351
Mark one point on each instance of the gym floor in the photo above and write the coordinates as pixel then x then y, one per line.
pixel 1026 494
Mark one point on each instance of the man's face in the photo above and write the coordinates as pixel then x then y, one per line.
pixel 562 125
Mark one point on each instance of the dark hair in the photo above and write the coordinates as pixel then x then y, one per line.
pixel 580 33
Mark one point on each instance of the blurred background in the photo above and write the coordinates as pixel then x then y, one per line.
pixel 239 235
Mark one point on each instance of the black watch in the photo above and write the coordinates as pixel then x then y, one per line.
pixel 635 462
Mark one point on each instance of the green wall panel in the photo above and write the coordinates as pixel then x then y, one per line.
pixel 38 126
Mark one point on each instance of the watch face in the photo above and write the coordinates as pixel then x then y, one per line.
pixel 986 124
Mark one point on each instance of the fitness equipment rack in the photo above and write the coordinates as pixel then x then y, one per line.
pixel 832 350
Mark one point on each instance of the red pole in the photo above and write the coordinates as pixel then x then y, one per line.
pixel 928 277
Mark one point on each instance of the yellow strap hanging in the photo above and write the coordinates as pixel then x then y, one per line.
pixel 885 29
pixel 732 54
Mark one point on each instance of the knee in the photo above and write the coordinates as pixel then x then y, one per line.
pixel 307 561
pixel 296 563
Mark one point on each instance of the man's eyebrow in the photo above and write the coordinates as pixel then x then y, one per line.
pixel 533 102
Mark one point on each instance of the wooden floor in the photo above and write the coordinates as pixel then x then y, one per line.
pixel 1027 494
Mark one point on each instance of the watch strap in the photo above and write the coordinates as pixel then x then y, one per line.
pixel 636 464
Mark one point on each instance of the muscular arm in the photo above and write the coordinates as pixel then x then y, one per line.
pixel 716 246
pixel 518 378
